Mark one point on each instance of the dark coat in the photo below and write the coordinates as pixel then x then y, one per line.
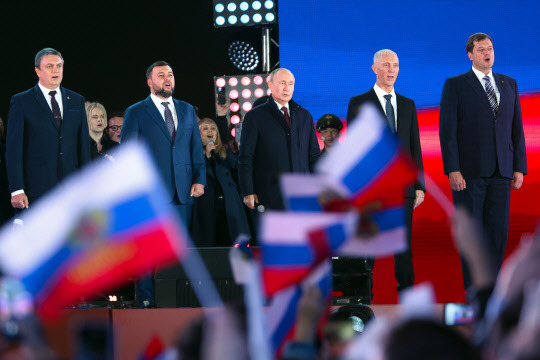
pixel 106 145
pixel 39 154
pixel 473 140
pixel 6 210
pixel 407 127
pixel 203 215
pixel 269 148
pixel 180 162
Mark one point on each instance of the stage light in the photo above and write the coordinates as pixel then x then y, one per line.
pixel 113 298
pixel 247 106
pixel 233 132
pixel 258 80
pixel 244 13
pixel 235 107
pixel 233 81
pixel 243 56
pixel 220 82
pixel 233 94
pixel 235 119
pixel 259 92
pixel 245 81
pixel 246 93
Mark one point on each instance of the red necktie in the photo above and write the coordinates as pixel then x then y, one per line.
pixel 286 114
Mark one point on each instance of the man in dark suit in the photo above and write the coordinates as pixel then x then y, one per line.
pixel 169 128
pixel 400 113
pixel 277 137
pixel 482 143
pixel 47 135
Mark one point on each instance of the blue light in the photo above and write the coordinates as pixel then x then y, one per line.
pixel 257 18
pixel 269 17
pixel 219 8
pixel 220 20
pixel 231 7
pixel 244 19
pixel 232 19
pixel 269 4
pixel 244 6
pixel 256 5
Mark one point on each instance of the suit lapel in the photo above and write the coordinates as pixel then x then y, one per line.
pixel 472 80
pixel 401 115
pixel 500 86
pixel 38 95
pixel 155 116
pixel 181 117
pixel 278 115
pixel 375 99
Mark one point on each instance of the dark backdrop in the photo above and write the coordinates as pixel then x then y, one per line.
pixel 107 46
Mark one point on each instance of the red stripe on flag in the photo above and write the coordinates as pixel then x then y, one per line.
pixel 319 245
pixel 277 279
pixel 130 254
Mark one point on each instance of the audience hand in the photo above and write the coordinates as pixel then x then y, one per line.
pixel 419 198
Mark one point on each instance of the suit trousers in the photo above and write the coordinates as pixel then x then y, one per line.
pixel 488 200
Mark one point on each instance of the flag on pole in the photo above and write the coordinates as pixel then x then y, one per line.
pixel 109 222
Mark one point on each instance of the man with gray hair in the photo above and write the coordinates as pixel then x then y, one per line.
pixel 277 137
pixel 47 134
pixel 400 113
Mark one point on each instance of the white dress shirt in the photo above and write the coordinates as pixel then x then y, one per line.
pixel 393 100
pixel 280 106
pixel 161 108
pixel 480 75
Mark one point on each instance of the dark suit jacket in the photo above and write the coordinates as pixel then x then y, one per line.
pixel 269 148
pixel 180 163
pixel 407 127
pixel 473 140
pixel 39 154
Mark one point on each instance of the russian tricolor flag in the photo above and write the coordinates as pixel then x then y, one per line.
pixel 370 166
pixel 109 222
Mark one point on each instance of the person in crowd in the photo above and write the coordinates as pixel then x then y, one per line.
pixel 277 137
pixel 47 135
pixel 114 126
pixel 400 113
pixel 483 144
pixel 169 128
pixel 99 143
pixel 218 215
pixel 6 210
pixel 329 126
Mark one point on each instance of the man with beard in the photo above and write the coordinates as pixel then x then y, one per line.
pixel 169 128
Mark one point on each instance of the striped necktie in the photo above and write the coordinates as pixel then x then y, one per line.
pixel 491 95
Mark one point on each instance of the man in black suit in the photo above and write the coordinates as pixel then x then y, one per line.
pixel 277 137
pixel 47 133
pixel 405 125
pixel 482 143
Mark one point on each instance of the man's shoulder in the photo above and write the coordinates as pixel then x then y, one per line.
pixel 403 98
pixel 460 77
pixel 137 106
pixel 504 77
pixel 24 94
pixel 363 97
pixel 72 94
pixel 183 104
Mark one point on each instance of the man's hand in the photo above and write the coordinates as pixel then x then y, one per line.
pixel 250 200
pixel 19 201
pixel 196 190
pixel 457 182
pixel 419 198
pixel 517 180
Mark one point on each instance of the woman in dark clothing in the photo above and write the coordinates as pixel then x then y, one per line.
pixel 218 216
pixel 97 122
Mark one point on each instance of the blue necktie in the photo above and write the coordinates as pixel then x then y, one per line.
pixel 390 113
pixel 491 95
pixel 169 120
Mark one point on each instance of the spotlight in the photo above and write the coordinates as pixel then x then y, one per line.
pixel 235 119
pixel 247 106
pixel 243 56
pixel 235 107
pixel 244 13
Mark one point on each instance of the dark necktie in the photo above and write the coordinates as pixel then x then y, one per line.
pixel 286 114
pixel 491 95
pixel 169 120
pixel 55 109
pixel 390 113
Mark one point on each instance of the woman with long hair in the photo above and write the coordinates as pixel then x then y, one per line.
pixel 97 122
pixel 218 216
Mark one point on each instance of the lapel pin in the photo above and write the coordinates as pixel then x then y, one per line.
pixel 68 97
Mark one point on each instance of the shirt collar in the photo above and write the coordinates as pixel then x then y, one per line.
pixel 47 91
pixel 380 92
pixel 280 106
pixel 480 75
pixel 158 100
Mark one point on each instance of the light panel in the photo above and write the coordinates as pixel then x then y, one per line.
pixel 244 13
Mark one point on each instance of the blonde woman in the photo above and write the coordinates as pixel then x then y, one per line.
pixel 218 216
pixel 97 122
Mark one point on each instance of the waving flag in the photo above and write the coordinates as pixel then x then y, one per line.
pixel 107 223
pixel 370 165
